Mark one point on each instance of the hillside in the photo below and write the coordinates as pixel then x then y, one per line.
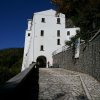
pixel 10 63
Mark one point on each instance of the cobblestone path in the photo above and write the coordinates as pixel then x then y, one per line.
pixel 61 84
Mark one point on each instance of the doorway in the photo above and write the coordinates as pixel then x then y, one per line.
pixel 41 60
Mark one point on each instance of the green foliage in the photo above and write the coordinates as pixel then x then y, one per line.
pixel 68 43
pixel 84 14
pixel 72 40
pixel 10 63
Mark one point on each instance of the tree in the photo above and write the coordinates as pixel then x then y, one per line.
pixel 84 14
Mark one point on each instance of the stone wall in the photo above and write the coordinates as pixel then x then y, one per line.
pixel 88 61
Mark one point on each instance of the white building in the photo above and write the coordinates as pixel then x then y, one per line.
pixel 45 33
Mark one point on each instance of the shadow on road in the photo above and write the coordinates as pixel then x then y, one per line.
pixel 28 89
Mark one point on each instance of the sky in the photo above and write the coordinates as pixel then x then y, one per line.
pixel 13 20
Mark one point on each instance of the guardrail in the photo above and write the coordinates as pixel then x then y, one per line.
pixel 23 86
pixel 63 48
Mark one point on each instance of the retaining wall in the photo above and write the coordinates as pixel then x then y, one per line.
pixel 88 61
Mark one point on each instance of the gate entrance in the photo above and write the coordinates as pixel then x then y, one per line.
pixel 41 60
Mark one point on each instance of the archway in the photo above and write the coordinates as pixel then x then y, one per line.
pixel 42 61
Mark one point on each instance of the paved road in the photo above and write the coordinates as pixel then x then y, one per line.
pixel 61 84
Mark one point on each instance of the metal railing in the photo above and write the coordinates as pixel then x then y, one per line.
pixel 64 48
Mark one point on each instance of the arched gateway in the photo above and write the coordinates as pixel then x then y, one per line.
pixel 42 61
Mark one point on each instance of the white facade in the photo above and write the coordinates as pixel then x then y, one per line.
pixel 45 34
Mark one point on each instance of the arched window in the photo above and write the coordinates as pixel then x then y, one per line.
pixel 68 32
pixel 28 34
pixel 58 41
pixel 58 20
pixel 58 33
pixel 42 32
pixel 41 48
pixel 43 20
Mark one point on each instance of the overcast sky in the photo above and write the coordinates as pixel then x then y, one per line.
pixel 13 20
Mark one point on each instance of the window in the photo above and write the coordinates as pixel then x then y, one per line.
pixel 58 20
pixel 68 32
pixel 77 31
pixel 28 34
pixel 43 20
pixel 58 33
pixel 42 33
pixel 58 41
pixel 41 48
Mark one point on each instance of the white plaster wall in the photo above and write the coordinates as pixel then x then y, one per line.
pixel 49 40
pixel 27 44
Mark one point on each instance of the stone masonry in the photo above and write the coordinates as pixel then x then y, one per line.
pixel 88 61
